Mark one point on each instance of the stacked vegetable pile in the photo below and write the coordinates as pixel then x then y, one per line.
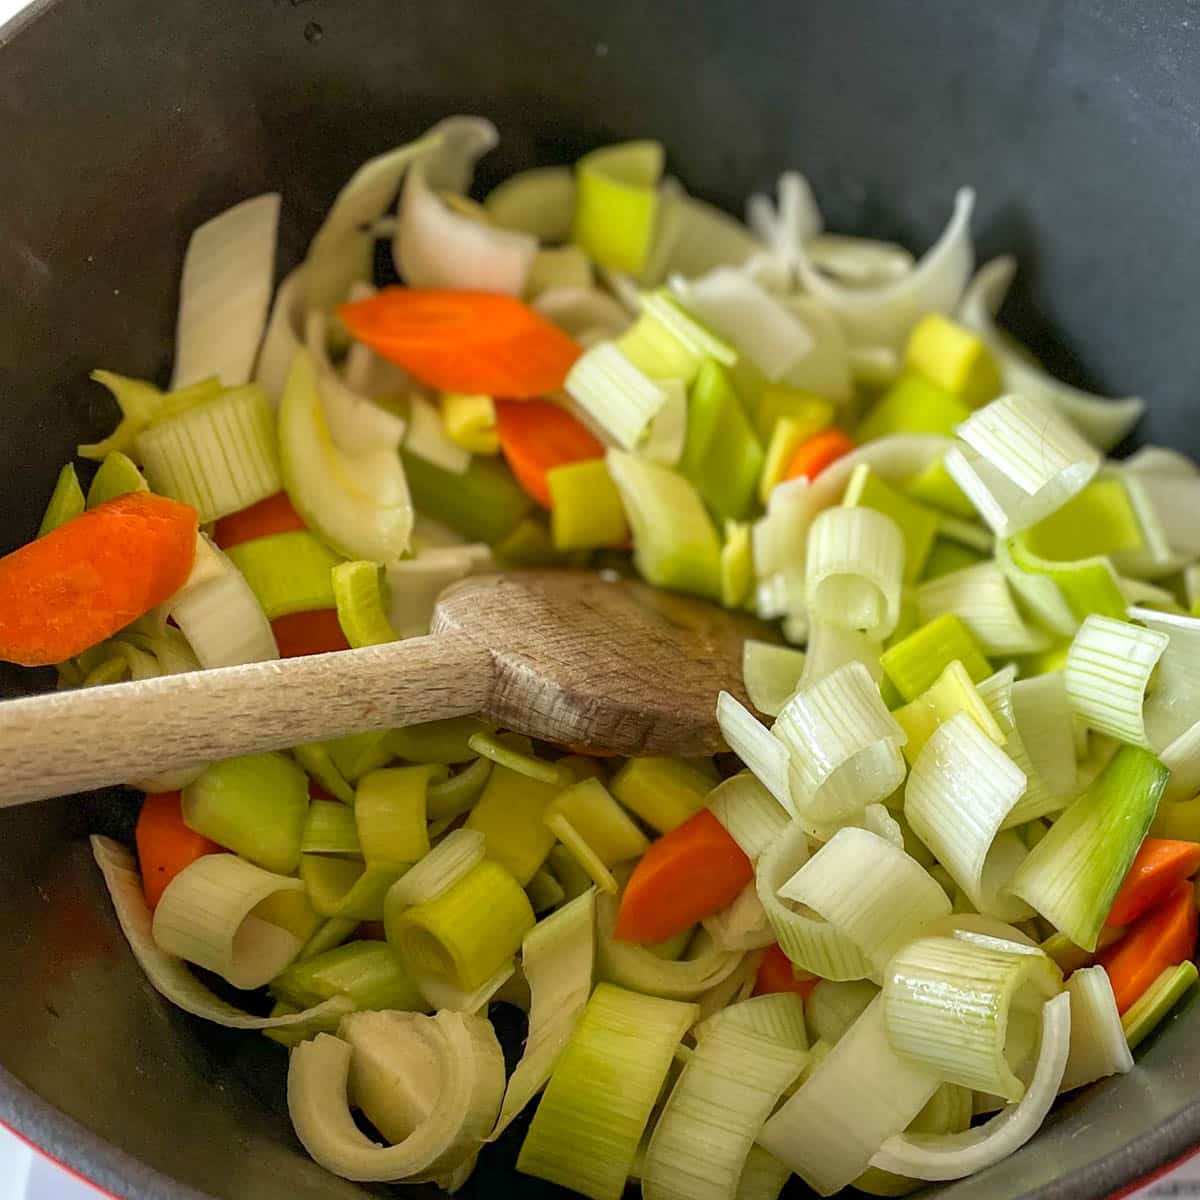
pixel 954 878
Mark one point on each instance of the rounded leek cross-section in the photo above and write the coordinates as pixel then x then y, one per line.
pixel 749 813
pixel 855 569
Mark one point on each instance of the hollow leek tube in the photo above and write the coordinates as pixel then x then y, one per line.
pixel 1073 874
pixel 255 805
pixel 914 664
pixel 616 203
pixel 330 829
pixel 586 1130
pixel 357 593
pixel 344 888
pixel 390 810
pixel 509 813
pixel 469 931
pixel 365 972
pixel 663 792
pixel 287 572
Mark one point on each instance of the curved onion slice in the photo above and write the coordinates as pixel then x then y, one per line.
pixel 284 333
pixel 470 1067
pixel 1102 421
pixel 884 316
pixel 954 1155
pixel 168 975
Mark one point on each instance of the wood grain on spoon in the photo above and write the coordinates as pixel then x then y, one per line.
pixel 600 665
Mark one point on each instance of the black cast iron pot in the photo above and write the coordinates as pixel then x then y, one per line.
pixel 124 123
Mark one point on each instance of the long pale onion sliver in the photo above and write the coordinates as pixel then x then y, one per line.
pixel 472 1080
pixel 858 1095
pixel 225 292
pixel 786 221
pixel 868 890
pixel 854 570
pixel 169 975
pixel 884 316
pixel 959 793
pixel 764 755
pixel 981 598
pixel 954 1155
pixel 558 955
pixel 727 1090
pixel 843 745
pixel 207 916
pixel 1098 1045
pixel 1102 421
pixel 284 335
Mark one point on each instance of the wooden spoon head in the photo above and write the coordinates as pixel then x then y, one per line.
pixel 601 664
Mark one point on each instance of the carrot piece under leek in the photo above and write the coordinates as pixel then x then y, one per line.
pixel 273 515
pixel 315 632
pixel 473 342
pixel 686 875
pixel 1164 937
pixel 1160 865
pixel 776 973
pixel 820 451
pixel 92 576
pixel 536 436
pixel 165 845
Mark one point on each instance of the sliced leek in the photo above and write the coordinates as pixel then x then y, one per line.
pixel 981 598
pixel 616 203
pixel 749 813
pixel 663 792
pixel 771 674
pixel 854 569
pixel 1098 1044
pixel 288 572
pixel 390 811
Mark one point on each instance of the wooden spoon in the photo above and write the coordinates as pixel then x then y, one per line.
pixel 600 665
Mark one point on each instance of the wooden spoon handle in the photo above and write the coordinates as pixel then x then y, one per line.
pixel 72 741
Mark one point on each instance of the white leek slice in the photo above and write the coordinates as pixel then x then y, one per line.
pixel 764 755
pixel 810 941
pixel 777 1016
pixel 895 459
pixel 615 395
pixel 854 570
pixel 870 891
pixel 831 645
pixel 1173 500
pixel 1040 594
pixel 359 503
pixel 1018 462
pixel 860 1094
pixel 748 812
pixel 540 201
pixel 225 292
pixel 587 314
pixel 284 335
pixel 1173 703
pixel 705 965
pixel 219 613
pixel 427 437
pixel 445 997
pixel 778 549
pixel 454 857
pixel 1102 421
pixel 558 956
pixel 884 316
pixel 771 337
pixel 726 1091
pixel 982 599
pixel 699 238
pixel 1108 670
pixel 207 916
pixel 960 790
pixel 843 745
pixel 742 924
pixel 414 584
pixel 771 674
pixel 1098 1045
pixel 955 1155
pixel 586 1130
pixel 949 1004
pixel 168 974
pixel 471 1067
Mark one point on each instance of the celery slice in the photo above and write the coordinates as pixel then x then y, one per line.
pixel 616 203
pixel 66 501
pixel 483 504
pixel 117 476
pixel 1156 1003
pixel 287 572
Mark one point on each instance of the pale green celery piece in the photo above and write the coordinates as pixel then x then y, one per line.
pixel 455 795
pixel 510 815
pixel 255 805
pixel 332 931
pixel 663 792
pixel 287 572
pixel 616 203
pixel 315 758
pixel 675 544
pixel 721 456
pixel 918 524
pixel 483 504
pixel 390 809
pixel 357 753
pixel 339 887
pixel 946 556
pixel 913 404
pixel 1156 1003
pixel 447 741
pixel 737 564
pixel 914 664
pixel 330 829
pixel 66 501
pixel 935 485
pixel 366 972
pixel 1099 520
pixel 358 595
pixel 117 476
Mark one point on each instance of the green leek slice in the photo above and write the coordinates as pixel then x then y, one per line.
pixel 617 202
pixel 358 595
pixel 287 572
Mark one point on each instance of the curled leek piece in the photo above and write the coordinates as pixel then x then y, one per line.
pixel 854 570
pixel 510 814
pixel 586 1130
pixel 777 1016
pixel 617 395
pixel 764 755
pixel 1098 1044
pixel 357 589
pixel 469 1068
pixel 749 813
pixel 616 203
pixel 954 1006
pixel 952 1156
pixel 390 813
pixel 778 541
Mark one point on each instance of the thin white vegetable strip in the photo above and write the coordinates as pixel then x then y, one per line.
pixel 980 597
pixel 168 974
pixel 727 1090
pixel 868 890
pixel 1098 1045
pixel 787 221
pixel 858 1096
pixel 854 570
pixel 952 1156
pixel 749 813
pixel 778 540
pixel 764 755
pixel 225 292
pixel 558 956
pixel 1108 670
pixel 959 793
pixel 843 745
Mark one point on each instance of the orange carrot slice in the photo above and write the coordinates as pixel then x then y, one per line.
pixel 819 452
pixel 777 974
pixel 1160 864
pixel 1164 937
pixel 316 632
pixel 273 515
pixel 536 436
pixel 165 845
